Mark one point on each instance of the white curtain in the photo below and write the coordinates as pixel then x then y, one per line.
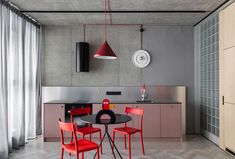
pixel 4 46
pixel 19 81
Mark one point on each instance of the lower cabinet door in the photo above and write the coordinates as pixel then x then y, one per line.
pixel 171 120
pixel 151 120
pixel 52 113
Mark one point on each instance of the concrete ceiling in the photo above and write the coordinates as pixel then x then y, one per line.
pixel 115 5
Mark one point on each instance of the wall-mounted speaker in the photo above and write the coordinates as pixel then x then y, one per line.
pixel 82 57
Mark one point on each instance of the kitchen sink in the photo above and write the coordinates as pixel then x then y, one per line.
pixel 145 101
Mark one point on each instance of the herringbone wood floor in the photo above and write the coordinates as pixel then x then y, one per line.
pixel 194 147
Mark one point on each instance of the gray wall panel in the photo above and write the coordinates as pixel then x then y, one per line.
pixel 172 53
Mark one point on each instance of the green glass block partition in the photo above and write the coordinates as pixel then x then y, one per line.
pixel 209 74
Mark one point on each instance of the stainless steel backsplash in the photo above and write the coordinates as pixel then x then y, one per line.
pixel 156 93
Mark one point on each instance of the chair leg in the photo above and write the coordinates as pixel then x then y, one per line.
pixel 98 153
pixel 129 146
pixel 62 153
pixel 142 142
pixel 125 141
pixel 77 155
pixel 90 137
pixel 83 137
pixel 101 143
pixel 113 139
pixel 71 138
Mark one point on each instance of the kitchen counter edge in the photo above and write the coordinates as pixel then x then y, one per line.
pixel 117 102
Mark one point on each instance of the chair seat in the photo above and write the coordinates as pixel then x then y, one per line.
pixel 87 130
pixel 83 145
pixel 126 130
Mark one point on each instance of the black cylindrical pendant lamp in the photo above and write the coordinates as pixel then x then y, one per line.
pixel 82 57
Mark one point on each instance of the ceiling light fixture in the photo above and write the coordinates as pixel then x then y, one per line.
pixel 105 51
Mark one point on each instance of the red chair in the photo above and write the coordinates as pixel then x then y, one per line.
pixel 85 130
pixel 77 146
pixel 130 130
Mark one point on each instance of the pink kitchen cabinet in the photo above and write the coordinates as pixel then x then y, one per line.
pixel 159 121
pixel 52 113
pixel 151 120
pixel 171 120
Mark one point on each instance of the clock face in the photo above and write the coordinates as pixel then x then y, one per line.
pixel 141 58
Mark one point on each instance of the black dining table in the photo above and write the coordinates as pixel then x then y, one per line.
pixel 120 118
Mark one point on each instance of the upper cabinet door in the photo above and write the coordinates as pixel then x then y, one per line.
pixel 229 75
pixel 229 26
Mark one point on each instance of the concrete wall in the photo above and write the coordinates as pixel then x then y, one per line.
pixel 59 57
pixel 171 49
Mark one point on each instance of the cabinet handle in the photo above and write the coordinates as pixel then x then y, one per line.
pixel 222 100
pixel 62 106
pixel 172 106
pixel 137 106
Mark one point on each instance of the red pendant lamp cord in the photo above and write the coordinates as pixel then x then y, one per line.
pixel 105 27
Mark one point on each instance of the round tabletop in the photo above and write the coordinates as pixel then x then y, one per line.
pixel 120 118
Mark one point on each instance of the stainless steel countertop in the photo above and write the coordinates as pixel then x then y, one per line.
pixel 115 102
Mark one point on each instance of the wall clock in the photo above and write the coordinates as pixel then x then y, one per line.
pixel 141 58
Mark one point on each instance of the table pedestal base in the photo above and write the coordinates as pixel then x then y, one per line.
pixel 111 143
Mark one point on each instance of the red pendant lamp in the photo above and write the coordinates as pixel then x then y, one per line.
pixel 105 51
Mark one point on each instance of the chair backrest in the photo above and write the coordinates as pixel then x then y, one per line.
pixel 136 111
pixel 79 111
pixel 67 127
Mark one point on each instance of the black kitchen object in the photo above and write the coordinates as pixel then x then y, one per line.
pixel 110 113
pixel 113 93
pixel 82 57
